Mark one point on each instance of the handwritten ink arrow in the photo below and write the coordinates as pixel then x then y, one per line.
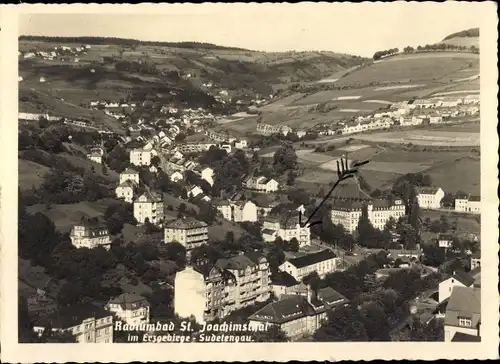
pixel 345 170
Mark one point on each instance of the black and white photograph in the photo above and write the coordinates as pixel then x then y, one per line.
pixel 254 173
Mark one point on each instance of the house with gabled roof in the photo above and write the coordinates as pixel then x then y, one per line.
pixel 132 308
pixel 463 314
pixel 125 191
pixel 430 197
pixel 149 207
pixel 457 279
pixel 322 263
pixel 299 315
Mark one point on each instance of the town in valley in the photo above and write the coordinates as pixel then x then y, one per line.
pixel 163 187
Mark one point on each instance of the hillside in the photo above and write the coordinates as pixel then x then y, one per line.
pixel 365 89
pixel 466 38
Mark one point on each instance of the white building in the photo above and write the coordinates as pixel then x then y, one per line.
pixel 410 121
pixel 322 262
pixel 208 292
pixel 90 236
pixel 444 241
pixel 238 211
pixel 125 191
pixel 347 212
pixel 207 174
pixel 457 279
pixel 298 315
pixel 241 144
pixel 149 207
pixel 287 229
pixel 468 203
pixel 95 157
pixel 141 157
pixel 188 232
pixel 131 308
pixel 262 184
pixel 430 197
pixel 195 191
pixel 129 174
pixel 176 176
pixel 86 322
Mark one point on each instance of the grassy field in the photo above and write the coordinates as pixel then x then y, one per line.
pixel 424 137
pixel 464 175
pixel 31 174
pixel 65 216
pixel 408 68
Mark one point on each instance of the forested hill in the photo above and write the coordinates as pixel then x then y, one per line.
pixel 469 33
pixel 126 42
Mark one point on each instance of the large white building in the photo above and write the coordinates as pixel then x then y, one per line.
pixel 125 191
pixel 299 315
pixel 149 207
pixel 286 228
pixel 209 292
pixel 131 308
pixel 347 212
pixel 142 156
pixel 468 203
pixel 86 322
pixel 430 197
pixel 129 174
pixel 90 236
pixel 322 262
pixel 189 232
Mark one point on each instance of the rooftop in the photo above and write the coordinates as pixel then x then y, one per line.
pixel 283 279
pixel 129 301
pixel 464 278
pixel 185 223
pixel 428 190
pixel 464 302
pixel 313 258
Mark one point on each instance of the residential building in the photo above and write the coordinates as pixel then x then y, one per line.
pixel 410 121
pixel 195 191
pixel 283 283
pixel 131 308
pixel 225 208
pixel 298 315
pixel 125 191
pixel 208 292
pixel 347 212
pixel 322 262
pixel 90 236
pixel 95 157
pixel 176 176
pixel 463 314
pixel 287 228
pixel 189 232
pixel 140 157
pixel 149 207
pixel 241 144
pixel 129 174
pixel 457 279
pixel 468 203
pixel 262 184
pixel 195 147
pixel 86 322
pixel 244 211
pixel 475 260
pixel 445 241
pixel 207 174
pixel 430 197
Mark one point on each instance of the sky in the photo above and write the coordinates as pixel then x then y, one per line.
pixel 358 29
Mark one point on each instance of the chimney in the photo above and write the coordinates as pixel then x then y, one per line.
pixel 311 294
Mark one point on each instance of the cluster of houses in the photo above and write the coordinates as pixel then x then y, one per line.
pixel 268 129
pixel 207 291
pixel 59 52
pixel 436 110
